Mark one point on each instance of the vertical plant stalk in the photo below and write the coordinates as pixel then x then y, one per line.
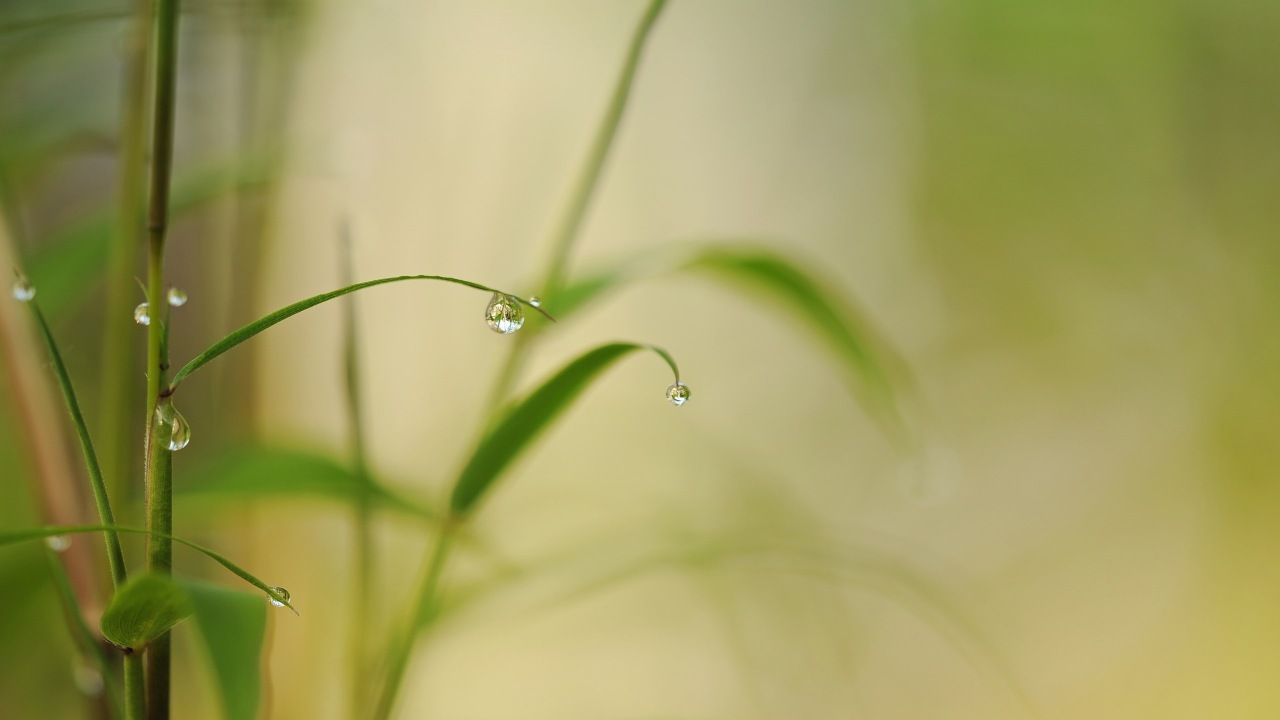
pixel 569 224
pixel 159 460
pixel 360 599
pixel 117 380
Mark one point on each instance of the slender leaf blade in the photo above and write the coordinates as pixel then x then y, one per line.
pixel 143 609
pixel 233 625
pixel 527 419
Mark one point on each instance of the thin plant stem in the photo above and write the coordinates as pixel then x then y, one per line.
pixel 159 461
pixel 427 601
pixel 86 641
pixel 364 571
pixel 568 226
pixel 117 378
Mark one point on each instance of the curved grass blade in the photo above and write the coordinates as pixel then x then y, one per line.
pixel 16 536
pixel 142 610
pixel 527 419
pixel 257 326
pixel 233 625
pixel 115 556
pixel 260 471
pixel 764 274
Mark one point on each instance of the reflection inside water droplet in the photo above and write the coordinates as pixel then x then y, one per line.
pixel 283 595
pixel 504 314
pixel 179 430
pixel 678 393
pixel 142 314
pixel 176 297
pixel 23 290
pixel 58 543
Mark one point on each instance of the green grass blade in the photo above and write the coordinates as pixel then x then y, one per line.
pixel 115 556
pixel 764 275
pixel 256 471
pixel 142 610
pixel 522 424
pixel 257 326
pixel 11 537
pixel 233 625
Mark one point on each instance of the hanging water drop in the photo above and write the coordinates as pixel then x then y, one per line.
pixel 678 393
pixel 504 314
pixel 282 596
pixel 142 314
pixel 179 430
pixel 535 301
pixel 58 543
pixel 23 290
pixel 88 679
pixel 176 297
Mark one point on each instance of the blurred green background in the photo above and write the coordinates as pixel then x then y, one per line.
pixel 1061 215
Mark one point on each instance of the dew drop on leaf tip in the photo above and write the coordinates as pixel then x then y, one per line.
pixel 504 315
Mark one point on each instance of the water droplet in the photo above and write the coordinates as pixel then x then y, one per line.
pixel 282 593
pixel 176 297
pixel 678 393
pixel 87 678
pixel 58 543
pixel 179 430
pixel 142 314
pixel 504 314
pixel 23 290
pixel 535 301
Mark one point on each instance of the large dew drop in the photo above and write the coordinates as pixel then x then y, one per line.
pixel 678 393
pixel 283 595
pixel 23 290
pixel 176 297
pixel 142 314
pixel 179 430
pixel 504 314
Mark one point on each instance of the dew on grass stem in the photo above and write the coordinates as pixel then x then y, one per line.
pixel 23 290
pixel 282 596
pixel 535 301
pixel 176 297
pixel 678 393
pixel 142 314
pixel 179 430
pixel 58 543
pixel 504 314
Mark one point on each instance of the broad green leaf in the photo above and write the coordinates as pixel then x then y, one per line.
pixel 525 420
pixel 260 471
pixel 71 263
pixel 143 609
pixel 16 536
pixel 765 275
pixel 233 625
pixel 257 326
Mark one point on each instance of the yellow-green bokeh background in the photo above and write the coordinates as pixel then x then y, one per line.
pixel 1061 214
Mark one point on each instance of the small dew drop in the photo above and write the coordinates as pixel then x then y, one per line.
pixel 504 314
pixel 23 290
pixel 678 393
pixel 179 430
pixel 88 679
pixel 176 297
pixel 535 301
pixel 142 314
pixel 284 597
pixel 58 543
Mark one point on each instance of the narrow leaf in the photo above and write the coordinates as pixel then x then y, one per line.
pixel 143 609
pixel 29 534
pixel 261 471
pixel 257 326
pixel 512 434
pixel 233 625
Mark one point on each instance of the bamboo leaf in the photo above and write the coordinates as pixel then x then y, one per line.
pixel 29 534
pixel 233 625
pixel 764 275
pixel 261 471
pixel 257 326
pixel 522 424
pixel 143 609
